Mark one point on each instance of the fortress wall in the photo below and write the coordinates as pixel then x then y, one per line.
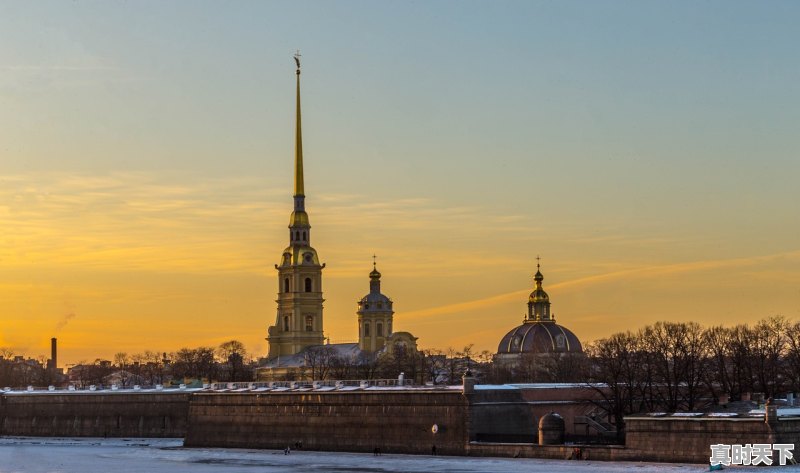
pixel 94 414
pixel 512 415
pixel 502 416
pixel 689 439
pixel 394 421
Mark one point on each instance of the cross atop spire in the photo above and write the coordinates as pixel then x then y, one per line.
pixel 538 276
pixel 374 258
pixel 297 60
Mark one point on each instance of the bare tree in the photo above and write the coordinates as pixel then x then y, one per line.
pixel 769 347
pixel 367 366
pixel 343 367
pixel 792 357
pixel 434 364
pixel 614 376
pixel 718 347
pixel 122 362
pixel 319 360
pixel 232 355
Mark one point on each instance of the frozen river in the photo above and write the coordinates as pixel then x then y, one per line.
pixel 79 455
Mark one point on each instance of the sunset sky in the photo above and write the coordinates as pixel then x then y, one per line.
pixel 648 151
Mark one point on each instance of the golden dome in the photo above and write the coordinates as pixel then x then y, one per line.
pixel 299 218
pixel 538 295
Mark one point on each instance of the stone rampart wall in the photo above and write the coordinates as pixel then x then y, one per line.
pixel 690 439
pixel 94 414
pixel 394 421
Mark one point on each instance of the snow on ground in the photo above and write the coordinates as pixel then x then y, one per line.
pixel 134 455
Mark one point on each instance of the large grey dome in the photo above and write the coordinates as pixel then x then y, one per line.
pixel 540 337
pixel 375 302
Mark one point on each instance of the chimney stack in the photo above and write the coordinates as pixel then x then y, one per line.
pixel 54 353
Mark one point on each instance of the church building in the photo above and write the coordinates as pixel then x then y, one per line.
pixel 539 334
pixel 298 333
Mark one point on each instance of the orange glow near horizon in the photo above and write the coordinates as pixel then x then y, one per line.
pixel 143 265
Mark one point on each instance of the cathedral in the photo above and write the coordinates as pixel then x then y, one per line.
pixel 539 334
pixel 298 333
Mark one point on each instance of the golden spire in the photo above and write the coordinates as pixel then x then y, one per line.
pixel 298 145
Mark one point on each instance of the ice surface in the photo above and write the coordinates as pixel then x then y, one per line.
pixel 133 455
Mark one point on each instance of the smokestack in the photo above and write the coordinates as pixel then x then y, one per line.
pixel 54 353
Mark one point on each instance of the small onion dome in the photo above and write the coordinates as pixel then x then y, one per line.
pixel 538 294
pixel 551 421
pixel 375 301
pixel 540 337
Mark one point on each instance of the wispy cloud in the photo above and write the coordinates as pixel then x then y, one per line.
pixel 139 221
pixel 641 272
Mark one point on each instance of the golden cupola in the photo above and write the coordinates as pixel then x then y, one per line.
pixel 538 294
pixel 539 333
pixel 539 301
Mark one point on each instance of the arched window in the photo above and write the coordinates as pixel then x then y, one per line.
pixel 309 323
pixel 296 235
pixel 366 329
pixel 379 329
pixel 286 285
pixel 285 323
pixel 304 235
pixel 308 284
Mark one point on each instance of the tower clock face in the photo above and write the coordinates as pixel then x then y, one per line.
pixel 308 257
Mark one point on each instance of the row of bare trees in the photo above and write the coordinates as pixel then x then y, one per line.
pixel 427 366
pixel 227 362
pixel 325 362
pixel 676 366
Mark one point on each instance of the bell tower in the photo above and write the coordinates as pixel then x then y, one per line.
pixel 298 322
pixel 374 315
